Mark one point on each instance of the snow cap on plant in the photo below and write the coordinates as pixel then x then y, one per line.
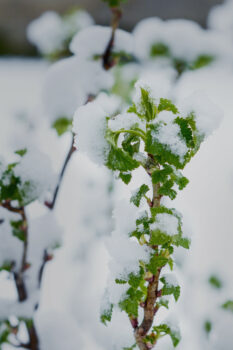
pixel 161 139
pixel 89 126
pixel 92 42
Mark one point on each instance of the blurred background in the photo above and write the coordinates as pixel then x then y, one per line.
pixel 16 14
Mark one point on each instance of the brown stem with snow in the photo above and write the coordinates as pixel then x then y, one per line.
pixel 150 308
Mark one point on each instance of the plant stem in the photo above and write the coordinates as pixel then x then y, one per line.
pixel 71 150
pixel 108 60
pixel 152 289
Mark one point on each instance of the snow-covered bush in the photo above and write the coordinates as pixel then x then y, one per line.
pixel 129 104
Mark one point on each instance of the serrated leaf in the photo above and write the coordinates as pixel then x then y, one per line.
pixel 168 330
pixel 167 105
pixel 120 160
pixel 167 190
pixel 125 177
pixel 160 175
pixel 186 131
pixel 148 105
pixel 163 302
pixel 155 263
pixel 169 289
pixel 139 194
pixel 106 315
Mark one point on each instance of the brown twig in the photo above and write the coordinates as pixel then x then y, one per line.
pixel 108 60
pixel 149 307
pixel 51 204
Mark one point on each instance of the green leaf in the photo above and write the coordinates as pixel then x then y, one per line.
pixel 228 305
pixel 120 160
pixel 155 263
pixel 186 131
pixel 163 302
pixel 125 177
pixel 169 289
pixel 160 175
pixel 148 105
pixel 160 151
pixel 17 230
pixel 131 301
pixel 215 282
pixel 207 326
pixel 62 125
pixel 159 49
pixel 106 315
pixel 202 61
pixel 7 266
pixel 21 152
pixel 167 190
pixel 165 329
pixel 139 194
pixel 167 105
pixel 184 242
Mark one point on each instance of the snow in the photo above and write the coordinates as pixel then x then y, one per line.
pixel 168 133
pixel 46 32
pixel 166 223
pixel 208 115
pixel 175 34
pixel 89 127
pixel 77 21
pixel 73 80
pixel 11 247
pixel 50 32
pixel 124 121
pixel 36 174
pixel 93 41
pixel 220 18
pixel 170 279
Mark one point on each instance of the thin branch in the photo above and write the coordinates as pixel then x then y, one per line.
pixel 51 204
pixel 150 309
pixel 108 60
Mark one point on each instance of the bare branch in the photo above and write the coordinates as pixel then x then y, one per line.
pixel 71 150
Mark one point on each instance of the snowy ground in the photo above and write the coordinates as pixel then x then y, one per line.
pixel 74 282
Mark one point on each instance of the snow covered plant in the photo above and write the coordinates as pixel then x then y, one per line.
pixel 161 138
pixel 26 245
pixel 166 43
pixel 52 33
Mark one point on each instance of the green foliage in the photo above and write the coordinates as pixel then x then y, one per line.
pixel 167 105
pixel 62 125
pixel 202 61
pixel 125 177
pixel 106 315
pixel 228 305
pixel 208 326
pixel 139 194
pixel 169 289
pixel 159 49
pixel 118 159
pixel 12 188
pixel 165 329
pixel 140 146
pixel 17 229
pixel 215 282
pixel 5 332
